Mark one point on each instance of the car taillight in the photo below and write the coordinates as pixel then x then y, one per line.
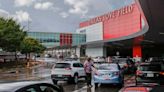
pixel 68 68
pixel 116 73
pixel 139 72
pixel 161 73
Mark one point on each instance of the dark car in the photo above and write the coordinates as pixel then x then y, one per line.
pixel 150 73
pixel 157 89
pixel 30 86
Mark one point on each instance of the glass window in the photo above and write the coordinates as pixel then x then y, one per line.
pixel 150 67
pixel 62 65
pixel 76 65
pixel 81 65
pixel 47 89
pixel 108 67
pixel 31 90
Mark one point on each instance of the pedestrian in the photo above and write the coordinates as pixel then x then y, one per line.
pixel 88 65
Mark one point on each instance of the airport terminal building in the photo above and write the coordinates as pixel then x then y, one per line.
pixel 136 30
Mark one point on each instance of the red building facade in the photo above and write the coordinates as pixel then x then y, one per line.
pixel 120 24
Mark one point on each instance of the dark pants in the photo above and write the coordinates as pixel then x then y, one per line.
pixel 88 78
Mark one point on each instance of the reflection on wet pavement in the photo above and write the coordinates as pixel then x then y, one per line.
pixel 35 73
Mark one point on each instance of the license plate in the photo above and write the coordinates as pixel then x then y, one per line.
pixel 150 75
pixel 106 77
pixel 59 75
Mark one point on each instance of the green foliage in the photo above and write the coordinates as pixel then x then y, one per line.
pixel 11 35
pixel 13 38
pixel 30 45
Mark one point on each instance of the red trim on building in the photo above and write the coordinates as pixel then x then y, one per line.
pixel 65 39
pixel 123 25
pixel 137 51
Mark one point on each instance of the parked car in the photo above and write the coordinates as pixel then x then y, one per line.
pixel 99 59
pixel 150 73
pixel 47 55
pixel 71 59
pixel 108 74
pixel 136 89
pixel 159 88
pixel 69 71
pixel 30 86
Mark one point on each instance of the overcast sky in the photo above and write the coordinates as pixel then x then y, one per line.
pixel 57 15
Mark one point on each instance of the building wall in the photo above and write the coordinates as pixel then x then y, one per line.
pixel 94 51
pixel 46 38
pixel 51 40
pixel 123 25
pixel 116 24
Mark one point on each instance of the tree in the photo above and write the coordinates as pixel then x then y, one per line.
pixel 30 45
pixel 11 35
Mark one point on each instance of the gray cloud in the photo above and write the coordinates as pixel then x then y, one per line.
pixel 4 13
pixel 67 13
pixel 43 6
pixel 20 3
pixel 78 6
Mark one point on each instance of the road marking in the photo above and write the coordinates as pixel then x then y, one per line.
pixel 81 89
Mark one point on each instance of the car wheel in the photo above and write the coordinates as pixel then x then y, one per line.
pixel 75 79
pixel 55 81
pixel 96 85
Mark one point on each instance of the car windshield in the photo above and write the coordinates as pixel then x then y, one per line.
pixel 62 65
pixel 150 68
pixel 108 67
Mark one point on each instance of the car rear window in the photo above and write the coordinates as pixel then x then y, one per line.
pixel 150 68
pixel 62 65
pixel 108 67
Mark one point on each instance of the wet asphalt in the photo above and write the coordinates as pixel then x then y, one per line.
pixel 43 72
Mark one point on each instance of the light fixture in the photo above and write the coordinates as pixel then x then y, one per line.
pixel 146 41
pixel 161 33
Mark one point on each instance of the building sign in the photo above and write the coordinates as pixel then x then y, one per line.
pixel 128 23
pixel 111 15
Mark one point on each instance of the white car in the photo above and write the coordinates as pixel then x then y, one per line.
pixel 30 86
pixel 69 71
pixel 98 59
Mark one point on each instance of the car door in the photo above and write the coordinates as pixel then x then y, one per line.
pixel 82 69
pixel 77 68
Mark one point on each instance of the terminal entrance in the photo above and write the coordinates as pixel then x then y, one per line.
pixel 147 50
pixel 153 50
pixel 119 51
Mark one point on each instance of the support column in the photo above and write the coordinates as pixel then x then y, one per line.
pixel 137 48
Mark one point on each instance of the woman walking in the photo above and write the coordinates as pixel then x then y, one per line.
pixel 88 64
